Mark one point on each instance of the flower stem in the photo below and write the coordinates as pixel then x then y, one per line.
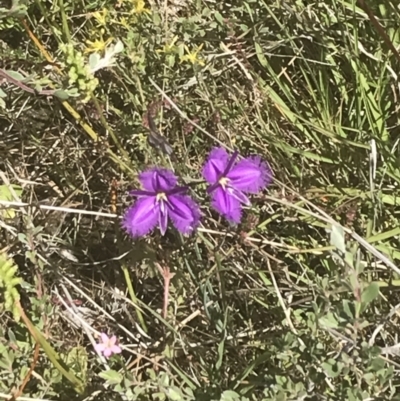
pixel 133 296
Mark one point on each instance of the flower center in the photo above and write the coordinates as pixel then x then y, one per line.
pixel 224 182
pixel 161 196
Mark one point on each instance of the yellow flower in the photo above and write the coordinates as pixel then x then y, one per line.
pixel 98 45
pixel 124 22
pixel 168 48
pixel 101 16
pixel 191 56
pixel 139 7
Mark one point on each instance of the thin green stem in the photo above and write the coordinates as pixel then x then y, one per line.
pixel 65 26
pixel 133 297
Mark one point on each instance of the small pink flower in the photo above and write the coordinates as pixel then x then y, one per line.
pixel 108 346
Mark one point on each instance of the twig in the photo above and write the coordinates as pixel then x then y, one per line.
pixel 56 208
pixel 20 391
pixel 9 398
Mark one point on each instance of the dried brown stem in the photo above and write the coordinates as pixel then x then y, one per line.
pixel 20 391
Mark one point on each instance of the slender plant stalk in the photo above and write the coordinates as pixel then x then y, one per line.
pixel 51 353
pixel 133 296
pixel 65 26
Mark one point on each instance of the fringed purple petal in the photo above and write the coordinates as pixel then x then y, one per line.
pixel 227 205
pixel 250 175
pixel 184 213
pixel 158 179
pixel 215 165
pixel 142 217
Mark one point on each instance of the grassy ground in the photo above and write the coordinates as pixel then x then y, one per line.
pixel 300 301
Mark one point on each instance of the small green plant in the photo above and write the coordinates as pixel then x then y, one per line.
pixel 79 74
pixel 8 284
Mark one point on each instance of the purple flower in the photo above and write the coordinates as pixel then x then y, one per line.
pixel 108 346
pixel 230 181
pixel 159 200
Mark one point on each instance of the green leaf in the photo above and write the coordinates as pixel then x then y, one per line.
pixel 377 364
pixel 260 55
pixel 163 380
pixel 111 376
pixel 61 94
pixel 171 60
pixel 8 282
pixel 219 17
pixel 337 238
pixel 6 195
pixel 221 348
pixel 16 75
pixel 384 235
pixel 2 93
pixel 331 368
pixel 370 293
pixel 329 321
pixel 77 360
pixel 175 394
pixel 229 395
pixel 347 308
